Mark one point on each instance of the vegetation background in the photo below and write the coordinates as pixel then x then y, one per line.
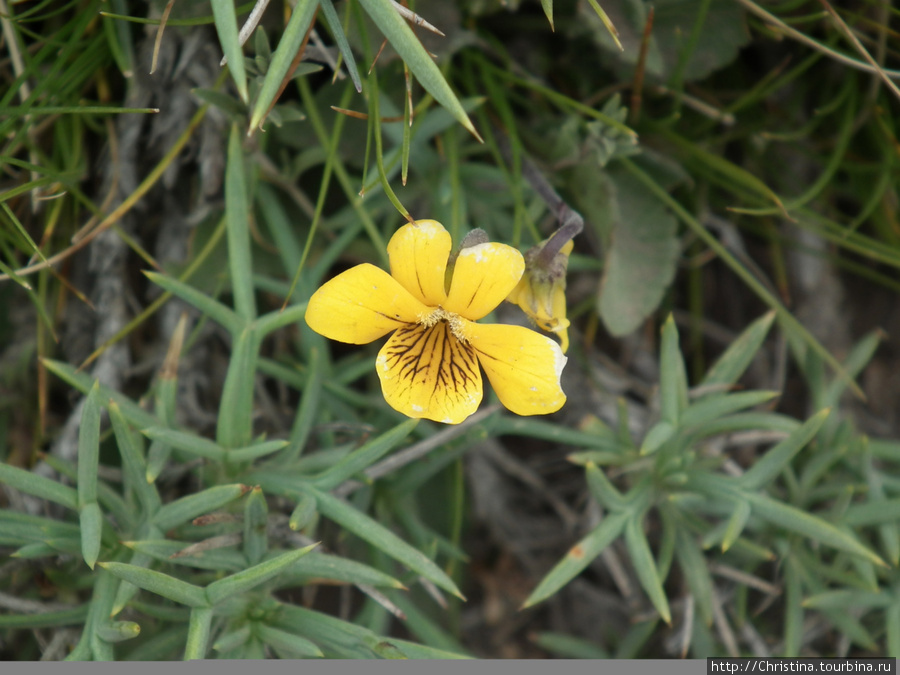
pixel 724 477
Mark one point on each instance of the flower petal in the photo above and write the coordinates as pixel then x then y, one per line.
pixel 361 305
pixel 523 366
pixel 428 372
pixel 484 275
pixel 418 253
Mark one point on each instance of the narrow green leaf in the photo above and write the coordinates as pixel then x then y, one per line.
pixel 892 629
pixel 189 507
pixel 44 488
pixel 232 640
pixel 765 469
pixel 412 650
pixel 71 616
pixel 191 443
pixel 603 490
pixel 89 448
pixel 237 229
pixel 645 566
pixel 256 516
pixel 212 308
pixel 307 412
pixel 337 32
pixel 736 523
pixel 750 421
pixel 548 10
pixel 289 642
pixel 569 646
pixel 227 29
pixel 304 512
pixel 873 513
pixel 299 23
pixel 379 536
pixel 793 610
pixel 845 600
pixel 694 566
pixel 159 583
pixel 740 353
pixel 254 452
pixel 323 566
pixel 221 559
pixel 234 428
pixel 658 434
pixel 410 49
pixel 364 457
pixel 91 521
pixel 859 358
pixel 579 557
pixel 714 407
pixel 133 463
pixel 198 633
pixel 118 631
pixel 808 525
pixel 673 391
pixel 242 581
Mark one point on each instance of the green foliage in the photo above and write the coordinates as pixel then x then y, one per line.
pixel 170 535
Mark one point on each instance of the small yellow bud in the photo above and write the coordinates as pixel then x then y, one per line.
pixel 541 292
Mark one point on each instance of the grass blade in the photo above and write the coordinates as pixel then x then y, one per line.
pixel 337 31
pixel 740 353
pixel 645 566
pixel 251 577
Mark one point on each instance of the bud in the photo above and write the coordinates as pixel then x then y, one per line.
pixel 541 292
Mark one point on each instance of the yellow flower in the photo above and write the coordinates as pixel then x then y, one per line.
pixel 430 365
pixel 541 293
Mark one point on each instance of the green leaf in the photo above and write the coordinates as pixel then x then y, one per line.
pixel 808 525
pixel 133 464
pixel 859 358
pixel 237 229
pixel 118 631
pixel 873 512
pixel 568 646
pixel 658 434
pixel 740 354
pixel 307 412
pixel 222 589
pixel 337 31
pixel 419 61
pixel 212 308
pixel 234 428
pixel 189 507
pixel 232 640
pixel 323 566
pixel 716 406
pixel 548 11
pixel 380 537
pixel 91 521
pixel 694 566
pixel 304 512
pixel 736 524
pixel 159 583
pixel 364 457
pixel 602 490
pixel 220 559
pixel 285 641
pixel 645 566
pixel 190 443
pixel 673 390
pixel 44 488
pixel 301 20
pixel 256 516
pixel 644 250
pixel 71 616
pixel 198 633
pixel 765 469
pixel 579 557
pixel 845 600
pixel 89 450
pixel 226 27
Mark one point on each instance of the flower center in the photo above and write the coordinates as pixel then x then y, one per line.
pixel 439 314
